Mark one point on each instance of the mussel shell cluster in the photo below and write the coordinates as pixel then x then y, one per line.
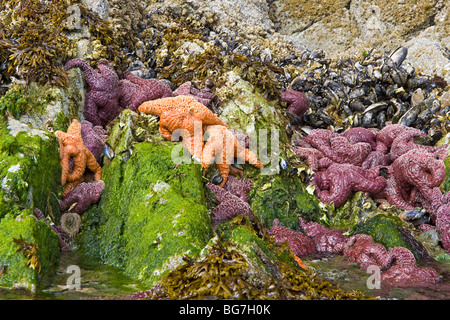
pixel 369 91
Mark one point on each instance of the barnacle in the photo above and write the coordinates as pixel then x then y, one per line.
pixel 29 251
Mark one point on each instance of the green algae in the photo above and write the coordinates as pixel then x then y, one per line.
pixel 284 198
pixel 384 229
pixel 30 172
pixel 18 274
pixel 356 209
pixel 152 212
pixel 446 184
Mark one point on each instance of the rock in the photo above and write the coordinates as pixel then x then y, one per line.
pixel 30 177
pixel 426 55
pixel 283 198
pixel 354 26
pixel 151 213
pixel 248 112
pixel 101 7
pixel 30 172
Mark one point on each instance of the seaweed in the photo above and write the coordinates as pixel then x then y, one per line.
pixel 33 40
pixel 29 251
pixel 227 271
pixel 214 61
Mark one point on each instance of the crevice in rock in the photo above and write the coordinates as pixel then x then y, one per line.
pixel 347 6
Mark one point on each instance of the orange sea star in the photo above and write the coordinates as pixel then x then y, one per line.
pixel 223 146
pixel 71 146
pixel 181 112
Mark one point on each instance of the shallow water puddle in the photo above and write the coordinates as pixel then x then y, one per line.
pixel 96 280
pixel 350 276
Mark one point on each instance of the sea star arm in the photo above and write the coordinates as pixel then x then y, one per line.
pixel 208 154
pixel 164 131
pixel 90 109
pixel 194 149
pixel 93 165
pixel 221 194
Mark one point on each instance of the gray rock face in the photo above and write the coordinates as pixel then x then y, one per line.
pixel 101 7
pixel 337 27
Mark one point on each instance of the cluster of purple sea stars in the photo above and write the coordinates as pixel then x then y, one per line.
pixel 232 199
pixel 108 95
pixel 387 164
pixel 398 265
pixel 352 161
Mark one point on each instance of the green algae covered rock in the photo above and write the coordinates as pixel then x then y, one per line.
pixel 284 198
pixel 20 270
pixel 152 212
pixel 30 172
pixel 30 177
pixel 446 184
pixel 357 208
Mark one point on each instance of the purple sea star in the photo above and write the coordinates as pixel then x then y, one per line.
pixel 338 148
pixel 204 96
pixel 393 193
pixel 62 235
pixel 84 195
pixel 404 142
pixel 297 103
pixel 387 135
pixel 360 134
pixel 102 99
pixel 338 181
pixel 324 239
pixel 399 262
pixel 229 206
pixel 94 138
pixel 440 214
pixel 315 158
pixel 299 243
pixel 420 169
pixel 134 91
pixel 239 187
